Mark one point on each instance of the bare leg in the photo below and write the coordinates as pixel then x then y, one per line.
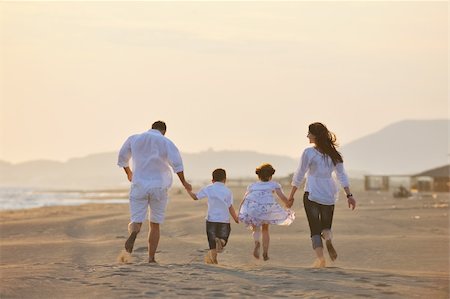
pixel 327 235
pixel 153 240
pixel 133 230
pixel 256 237
pixel 320 261
pixel 265 241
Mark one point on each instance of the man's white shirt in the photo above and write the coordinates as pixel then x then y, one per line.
pixel 154 157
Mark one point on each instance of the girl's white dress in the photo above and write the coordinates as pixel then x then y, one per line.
pixel 261 207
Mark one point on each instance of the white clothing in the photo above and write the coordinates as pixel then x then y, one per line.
pixel 220 199
pixel 320 183
pixel 156 199
pixel 261 207
pixel 153 156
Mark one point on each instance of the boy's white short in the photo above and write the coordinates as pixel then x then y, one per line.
pixel 156 199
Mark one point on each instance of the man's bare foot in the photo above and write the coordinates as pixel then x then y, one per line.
pixel 219 245
pixel 265 256
pixel 256 251
pixel 331 251
pixel 152 261
pixel 319 263
pixel 130 242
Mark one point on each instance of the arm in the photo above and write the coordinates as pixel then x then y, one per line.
pixel 186 185
pixel 242 202
pixel 233 214
pixel 343 179
pixel 129 173
pixel 176 163
pixel 299 176
pixel 192 194
pixel 124 158
pixel 282 196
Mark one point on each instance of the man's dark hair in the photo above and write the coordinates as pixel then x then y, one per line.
pixel 159 125
pixel 219 175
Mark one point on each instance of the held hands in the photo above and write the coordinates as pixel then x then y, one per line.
pixel 290 202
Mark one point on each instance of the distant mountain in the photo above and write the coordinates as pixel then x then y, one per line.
pixel 101 170
pixel 406 147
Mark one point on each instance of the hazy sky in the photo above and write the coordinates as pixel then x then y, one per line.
pixel 79 78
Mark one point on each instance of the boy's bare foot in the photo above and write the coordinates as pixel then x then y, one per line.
pixel 256 251
pixel 130 242
pixel 219 245
pixel 265 256
pixel 319 263
pixel 331 251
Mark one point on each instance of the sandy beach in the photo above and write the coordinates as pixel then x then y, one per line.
pixel 388 248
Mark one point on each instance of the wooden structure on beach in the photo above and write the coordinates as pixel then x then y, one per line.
pixel 433 180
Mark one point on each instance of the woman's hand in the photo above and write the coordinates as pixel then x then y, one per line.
pixel 351 202
pixel 290 202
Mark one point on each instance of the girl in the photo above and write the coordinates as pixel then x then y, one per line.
pixel 259 208
pixel 321 192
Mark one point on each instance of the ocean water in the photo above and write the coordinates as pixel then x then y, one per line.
pixel 24 198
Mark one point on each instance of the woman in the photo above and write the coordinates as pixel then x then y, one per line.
pixel 318 163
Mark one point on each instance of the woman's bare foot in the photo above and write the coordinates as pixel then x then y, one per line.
pixel 256 251
pixel 331 251
pixel 219 245
pixel 130 242
pixel 210 258
pixel 319 263
pixel 265 256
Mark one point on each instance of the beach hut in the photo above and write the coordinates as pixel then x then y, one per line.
pixel 436 180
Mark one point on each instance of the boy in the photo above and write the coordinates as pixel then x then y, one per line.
pixel 220 206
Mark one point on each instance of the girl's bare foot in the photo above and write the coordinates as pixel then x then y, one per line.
pixel 256 251
pixel 130 242
pixel 331 251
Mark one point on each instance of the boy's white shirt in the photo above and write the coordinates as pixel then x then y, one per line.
pixel 220 198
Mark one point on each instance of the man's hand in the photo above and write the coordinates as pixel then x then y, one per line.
pixel 187 186
pixel 129 173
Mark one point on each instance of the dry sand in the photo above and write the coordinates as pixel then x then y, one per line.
pixel 387 249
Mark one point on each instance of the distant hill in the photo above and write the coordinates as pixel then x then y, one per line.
pixel 407 147
pixel 101 170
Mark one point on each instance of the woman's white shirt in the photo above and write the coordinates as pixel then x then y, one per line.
pixel 318 169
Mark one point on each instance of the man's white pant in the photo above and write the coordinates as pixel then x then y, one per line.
pixel 155 198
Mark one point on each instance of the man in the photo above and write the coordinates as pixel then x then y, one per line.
pixel 154 157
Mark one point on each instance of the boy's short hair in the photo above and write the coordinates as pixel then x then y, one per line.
pixel 265 172
pixel 219 175
pixel 159 125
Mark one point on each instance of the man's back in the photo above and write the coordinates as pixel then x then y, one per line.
pixel 152 155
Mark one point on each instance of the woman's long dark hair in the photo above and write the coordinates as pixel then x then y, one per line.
pixel 326 141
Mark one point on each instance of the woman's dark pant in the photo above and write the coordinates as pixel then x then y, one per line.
pixel 319 216
pixel 219 230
